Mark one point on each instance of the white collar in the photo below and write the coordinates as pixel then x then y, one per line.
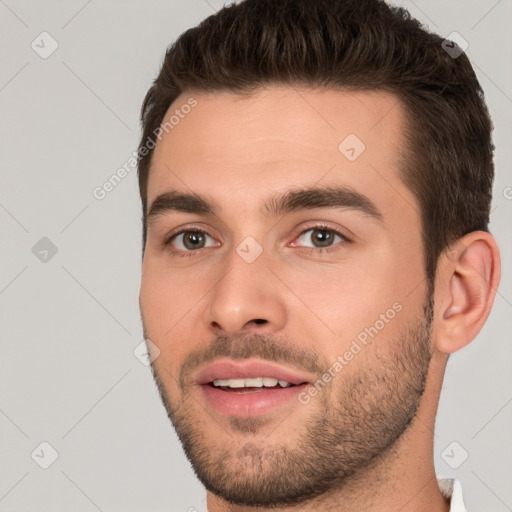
pixel 451 488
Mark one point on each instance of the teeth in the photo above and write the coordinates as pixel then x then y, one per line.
pixel 220 382
pixel 253 382
pixel 257 382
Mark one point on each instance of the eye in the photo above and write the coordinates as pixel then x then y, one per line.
pixel 320 237
pixel 190 240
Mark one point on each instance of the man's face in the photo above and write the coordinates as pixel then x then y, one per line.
pixel 324 291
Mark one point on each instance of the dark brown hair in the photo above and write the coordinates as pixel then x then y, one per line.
pixel 350 44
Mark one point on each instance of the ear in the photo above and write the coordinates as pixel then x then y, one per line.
pixel 469 276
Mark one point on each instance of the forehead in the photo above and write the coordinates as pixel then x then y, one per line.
pixel 242 147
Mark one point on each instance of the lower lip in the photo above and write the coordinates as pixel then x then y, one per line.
pixel 250 404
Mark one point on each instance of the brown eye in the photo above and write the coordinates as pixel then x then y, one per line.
pixel 193 240
pixel 320 237
pixel 190 240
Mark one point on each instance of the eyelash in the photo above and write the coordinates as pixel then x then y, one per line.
pixel 320 227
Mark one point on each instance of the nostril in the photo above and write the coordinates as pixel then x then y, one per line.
pixel 259 321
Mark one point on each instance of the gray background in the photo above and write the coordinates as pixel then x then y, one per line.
pixel 70 321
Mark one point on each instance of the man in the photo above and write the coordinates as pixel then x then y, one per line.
pixel 316 182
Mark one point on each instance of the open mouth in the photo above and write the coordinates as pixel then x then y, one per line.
pixel 250 385
pixel 250 397
pixel 247 388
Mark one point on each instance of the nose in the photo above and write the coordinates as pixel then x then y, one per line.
pixel 247 298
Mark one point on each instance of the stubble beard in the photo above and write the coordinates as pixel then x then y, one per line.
pixel 358 421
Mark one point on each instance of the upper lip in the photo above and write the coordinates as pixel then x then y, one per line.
pixel 229 369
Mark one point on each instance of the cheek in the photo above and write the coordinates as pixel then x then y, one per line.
pixel 346 294
pixel 169 305
pixel 363 300
pixel 156 305
pixel 167 298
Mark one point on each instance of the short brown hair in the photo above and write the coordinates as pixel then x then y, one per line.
pixel 350 44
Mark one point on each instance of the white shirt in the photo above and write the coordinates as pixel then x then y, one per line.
pixel 451 488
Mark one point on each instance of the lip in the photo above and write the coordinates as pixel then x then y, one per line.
pixel 253 403
pixel 247 368
pixel 250 404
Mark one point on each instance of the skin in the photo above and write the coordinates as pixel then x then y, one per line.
pixel 238 151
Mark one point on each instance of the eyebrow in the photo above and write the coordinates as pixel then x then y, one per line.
pixel 340 197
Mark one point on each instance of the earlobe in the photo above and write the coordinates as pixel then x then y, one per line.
pixel 470 277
